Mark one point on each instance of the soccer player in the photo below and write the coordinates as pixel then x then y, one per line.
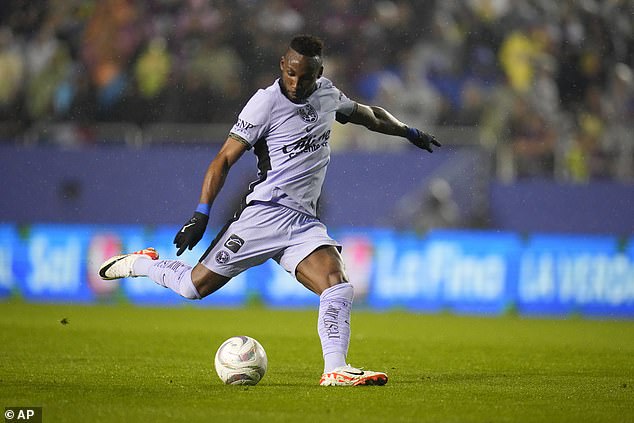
pixel 288 126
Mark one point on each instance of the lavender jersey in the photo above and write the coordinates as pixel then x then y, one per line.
pixel 291 143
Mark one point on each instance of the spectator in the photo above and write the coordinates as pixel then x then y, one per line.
pixel 532 141
pixel 49 63
pixel 618 99
pixel 471 106
pixel 585 159
pixel 152 72
pixel 277 16
pixel 517 56
pixel 445 63
pixel 438 209
pixel 110 40
pixel 12 71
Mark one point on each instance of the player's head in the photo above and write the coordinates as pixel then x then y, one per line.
pixel 301 65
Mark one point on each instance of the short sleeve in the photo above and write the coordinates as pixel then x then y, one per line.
pixel 253 120
pixel 345 108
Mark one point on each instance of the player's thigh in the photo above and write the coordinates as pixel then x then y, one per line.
pixel 207 281
pixel 321 269
pixel 258 234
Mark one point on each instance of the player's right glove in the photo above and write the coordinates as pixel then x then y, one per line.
pixel 421 140
pixel 191 232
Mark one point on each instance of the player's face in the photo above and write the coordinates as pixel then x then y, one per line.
pixel 299 75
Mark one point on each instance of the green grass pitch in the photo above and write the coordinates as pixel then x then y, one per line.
pixel 119 363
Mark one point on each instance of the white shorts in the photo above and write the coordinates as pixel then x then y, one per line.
pixel 263 231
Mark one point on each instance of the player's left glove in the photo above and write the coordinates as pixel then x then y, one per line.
pixel 421 140
pixel 191 232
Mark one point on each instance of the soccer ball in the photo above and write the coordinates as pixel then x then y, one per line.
pixel 241 360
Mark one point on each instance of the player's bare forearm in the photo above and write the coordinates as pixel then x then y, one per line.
pixel 218 170
pixel 193 230
pixel 214 180
pixel 378 119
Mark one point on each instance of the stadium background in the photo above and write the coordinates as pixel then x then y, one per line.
pixel 110 111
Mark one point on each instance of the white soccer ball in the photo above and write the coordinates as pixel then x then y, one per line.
pixel 241 360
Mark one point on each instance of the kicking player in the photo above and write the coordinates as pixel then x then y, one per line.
pixel 288 126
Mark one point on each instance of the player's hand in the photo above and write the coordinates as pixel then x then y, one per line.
pixel 191 232
pixel 421 140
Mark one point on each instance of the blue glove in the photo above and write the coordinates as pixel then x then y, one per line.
pixel 421 139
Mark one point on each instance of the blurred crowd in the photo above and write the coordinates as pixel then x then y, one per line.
pixel 548 84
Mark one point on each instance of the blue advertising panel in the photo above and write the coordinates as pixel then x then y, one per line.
pixel 460 271
pixel 474 272
pixel 54 264
pixel 8 250
pixel 398 264
pixel 565 274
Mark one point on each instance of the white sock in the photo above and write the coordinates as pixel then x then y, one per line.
pixel 171 274
pixel 333 324
pixel 142 265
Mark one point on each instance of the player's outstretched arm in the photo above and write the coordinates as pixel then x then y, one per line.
pixel 194 229
pixel 380 120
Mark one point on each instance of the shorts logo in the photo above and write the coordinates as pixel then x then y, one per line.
pixel 308 113
pixel 234 243
pixel 222 257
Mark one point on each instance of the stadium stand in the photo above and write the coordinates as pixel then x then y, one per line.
pixel 547 86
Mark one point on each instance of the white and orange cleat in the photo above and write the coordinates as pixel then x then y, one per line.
pixel 118 267
pixel 351 376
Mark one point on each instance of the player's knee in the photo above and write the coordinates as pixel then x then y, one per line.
pixel 187 288
pixel 207 282
pixel 189 293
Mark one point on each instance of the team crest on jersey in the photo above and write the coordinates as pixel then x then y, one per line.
pixel 222 257
pixel 308 113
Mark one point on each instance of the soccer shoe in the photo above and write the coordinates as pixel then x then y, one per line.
pixel 351 376
pixel 118 267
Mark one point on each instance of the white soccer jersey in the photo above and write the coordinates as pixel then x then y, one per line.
pixel 291 143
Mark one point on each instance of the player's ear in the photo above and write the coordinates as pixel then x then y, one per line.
pixel 282 63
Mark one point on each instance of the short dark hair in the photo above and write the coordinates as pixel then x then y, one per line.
pixel 307 45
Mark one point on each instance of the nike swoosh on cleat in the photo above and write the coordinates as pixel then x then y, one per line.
pixel 354 373
pixel 102 271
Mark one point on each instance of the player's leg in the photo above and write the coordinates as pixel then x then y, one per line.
pixel 207 281
pixel 258 233
pixel 322 271
pixel 191 283
pixel 241 244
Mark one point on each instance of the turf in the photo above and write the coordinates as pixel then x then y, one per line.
pixel 119 363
